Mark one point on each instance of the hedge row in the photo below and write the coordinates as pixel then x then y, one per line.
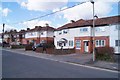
pixel 105 53
pixel 16 46
pixel 55 51
pixel 28 47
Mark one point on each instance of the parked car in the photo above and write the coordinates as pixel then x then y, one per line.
pixel 43 45
pixel 36 46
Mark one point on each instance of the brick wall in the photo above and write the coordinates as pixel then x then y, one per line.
pixel 90 43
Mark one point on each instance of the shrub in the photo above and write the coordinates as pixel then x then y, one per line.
pixel 64 51
pixel 39 49
pixel 28 47
pixel 105 53
pixel 17 46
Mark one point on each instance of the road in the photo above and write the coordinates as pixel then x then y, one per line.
pixel 22 66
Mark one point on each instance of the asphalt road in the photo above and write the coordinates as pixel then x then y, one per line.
pixel 21 66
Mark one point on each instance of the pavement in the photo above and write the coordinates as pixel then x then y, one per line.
pixel 82 59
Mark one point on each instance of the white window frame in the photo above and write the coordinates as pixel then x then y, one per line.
pixel 65 31
pixel 117 43
pixel 100 29
pixel 99 43
pixel 59 32
pixel 117 27
pixel 79 44
pixel 71 43
pixel 82 29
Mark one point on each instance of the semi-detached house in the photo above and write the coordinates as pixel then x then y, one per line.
pixel 40 34
pixel 78 34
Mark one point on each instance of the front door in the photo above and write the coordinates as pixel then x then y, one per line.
pixel 86 46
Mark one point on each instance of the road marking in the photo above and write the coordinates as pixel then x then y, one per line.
pixel 67 62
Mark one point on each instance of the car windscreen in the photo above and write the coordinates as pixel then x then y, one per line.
pixel 39 45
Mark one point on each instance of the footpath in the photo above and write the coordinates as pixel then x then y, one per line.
pixel 80 59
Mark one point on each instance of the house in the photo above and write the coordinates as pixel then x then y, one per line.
pixel 14 37
pixel 78 34
pixel 40 34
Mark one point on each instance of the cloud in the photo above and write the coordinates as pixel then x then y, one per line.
pixel 42 5
pixel 94 0
pixel 5 11
pixel 84 11
pixel 33 23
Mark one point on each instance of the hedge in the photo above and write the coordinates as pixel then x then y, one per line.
pixel 105 53
pixel 28 47
pixel 16 46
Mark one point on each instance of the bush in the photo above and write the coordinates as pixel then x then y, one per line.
pixel 39 49
pixel 17 46
pixel 64 51
pixel 28 47
pixel 105 53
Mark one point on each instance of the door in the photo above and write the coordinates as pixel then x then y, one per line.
pixel 86 46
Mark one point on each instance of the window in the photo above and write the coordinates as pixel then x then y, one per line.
pixel 99 29
pixel 100 43
pixel 65 31
pixel 60 32
pixel 117 27
pixel 97 43
pixel 70 43
pixel 23 36
pixel 117 43
pixel 17 35
pixel 42 33
pixel 83 29
pixel 78 43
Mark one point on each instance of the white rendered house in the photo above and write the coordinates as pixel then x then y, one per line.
pixel 78 34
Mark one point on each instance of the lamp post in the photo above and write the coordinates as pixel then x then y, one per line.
pixel 93 31
pixel 3 34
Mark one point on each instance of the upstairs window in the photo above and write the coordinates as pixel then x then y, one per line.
pixel 65 31
pixel 99 29
pixel 83 29
pixel 42 33
pixel 60 32
pixel 117 27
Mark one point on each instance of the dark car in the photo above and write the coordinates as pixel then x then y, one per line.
pixel 43 45
pixel 36 46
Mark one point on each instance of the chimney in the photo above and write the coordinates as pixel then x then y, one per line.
pixel 72 21
pixel 28 28
pixel 36 26
pixel 47 25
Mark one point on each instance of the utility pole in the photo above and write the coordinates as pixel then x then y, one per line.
pixel 3 34
pixel 93 31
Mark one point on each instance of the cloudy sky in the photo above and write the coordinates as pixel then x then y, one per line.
pixel 21 14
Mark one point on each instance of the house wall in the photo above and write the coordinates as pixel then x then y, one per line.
pixel 50 33
pixel 114 35
pixel 81 49
pixel 107 33
pixel 31 34
pixel 76 32
pixel 38 37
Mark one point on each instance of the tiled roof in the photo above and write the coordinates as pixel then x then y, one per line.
pixel 39 28
pixel 98 22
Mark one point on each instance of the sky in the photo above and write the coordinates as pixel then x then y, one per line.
pixel 17 14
